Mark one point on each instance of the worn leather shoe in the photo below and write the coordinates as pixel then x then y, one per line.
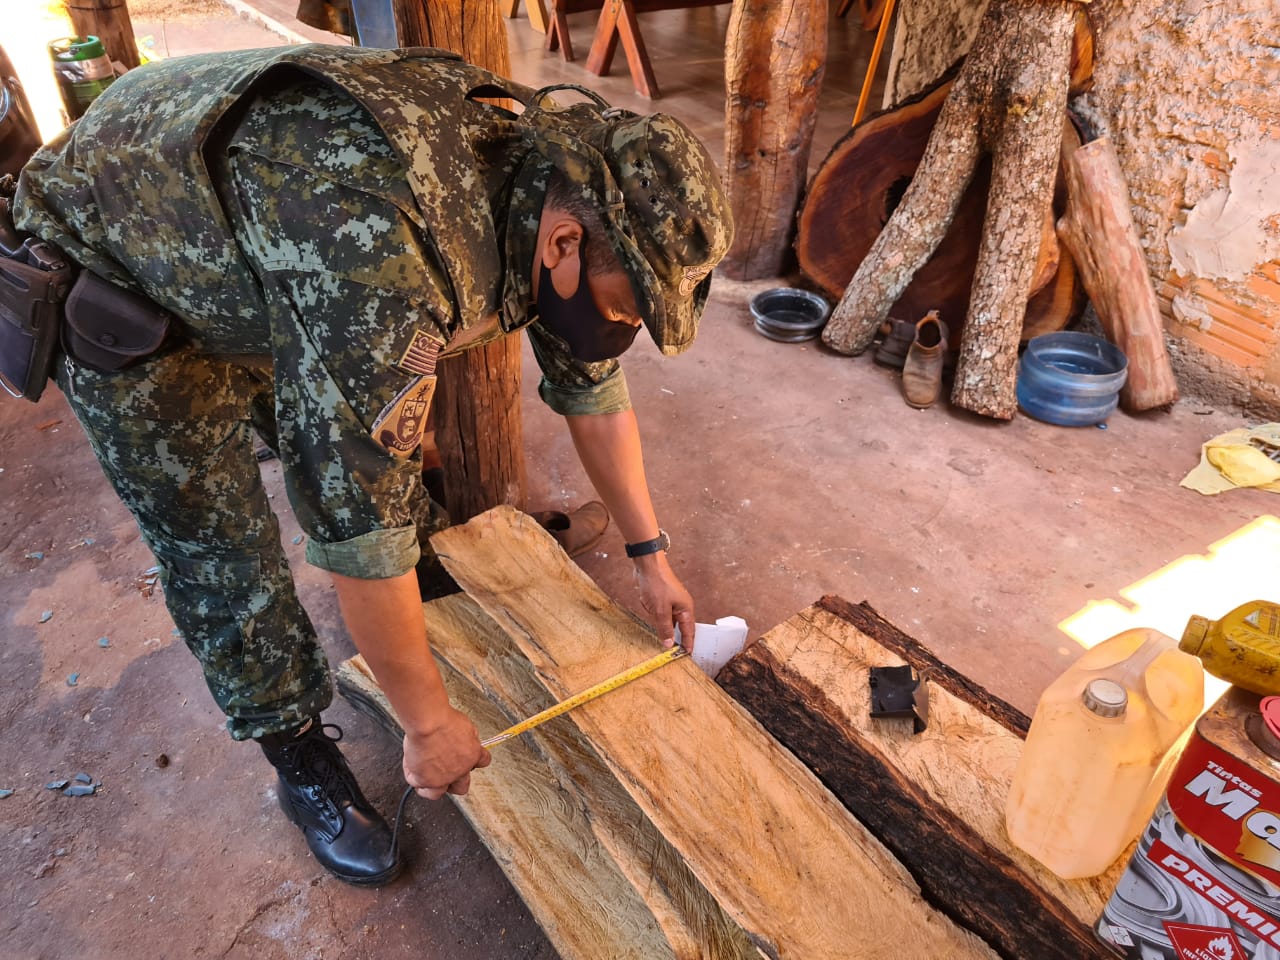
pixel 922 372
pixel 576 532
pixel 898 335
pixel 319 793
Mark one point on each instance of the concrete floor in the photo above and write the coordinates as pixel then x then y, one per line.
pixel 783 472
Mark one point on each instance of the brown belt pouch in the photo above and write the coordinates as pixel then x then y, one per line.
pixel 108 328
pixel 34 279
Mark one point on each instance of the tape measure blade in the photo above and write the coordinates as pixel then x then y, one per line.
pixel 585 696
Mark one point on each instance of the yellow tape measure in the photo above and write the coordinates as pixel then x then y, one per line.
pixel 578 699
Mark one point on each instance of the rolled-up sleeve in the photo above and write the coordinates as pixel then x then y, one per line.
pixel 371 556
pixel 572 387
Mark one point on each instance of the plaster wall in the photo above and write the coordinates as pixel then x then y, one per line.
pixel 1186 91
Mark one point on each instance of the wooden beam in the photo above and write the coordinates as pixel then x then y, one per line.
pixel 936 799
pixel 1099 231
pixel 775 60
pixel 108 20
pixel 779 855
pixel 476 413
pixel 595 874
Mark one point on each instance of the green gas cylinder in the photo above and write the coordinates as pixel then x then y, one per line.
pixel 1242 648
pixel 83 70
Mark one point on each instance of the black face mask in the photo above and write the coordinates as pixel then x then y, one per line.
pixel 591 336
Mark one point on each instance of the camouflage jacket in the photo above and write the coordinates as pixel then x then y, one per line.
pixel 149 143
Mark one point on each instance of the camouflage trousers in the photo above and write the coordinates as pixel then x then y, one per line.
pixel 193 483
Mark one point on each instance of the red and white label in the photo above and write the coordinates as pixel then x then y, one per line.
pixel 1215 892
pixel 1230 806
pixel 1204 943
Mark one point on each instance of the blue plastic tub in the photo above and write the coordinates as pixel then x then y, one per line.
pixel 1071 379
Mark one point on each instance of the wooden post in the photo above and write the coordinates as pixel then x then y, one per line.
pixel 478 424
pixel 769 119
pixel 108 20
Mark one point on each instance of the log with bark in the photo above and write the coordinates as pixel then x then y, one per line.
pixel 1009 101
pixel 1098 229
pixel 859 185
pixel 936 798
pixel 476 410
pixel 663 795
pixel 769 120
pixel 109 21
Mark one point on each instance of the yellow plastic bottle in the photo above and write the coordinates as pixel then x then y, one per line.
pixel 1242 648
pixel 1093 767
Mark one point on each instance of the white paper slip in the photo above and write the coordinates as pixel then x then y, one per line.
pixel 715 644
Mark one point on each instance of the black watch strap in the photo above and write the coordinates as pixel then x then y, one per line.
pixel 646 547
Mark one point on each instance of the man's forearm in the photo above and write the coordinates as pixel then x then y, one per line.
pixel 608 445
pixel 384 618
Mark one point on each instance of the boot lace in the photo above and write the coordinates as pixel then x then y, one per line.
pixel 316 762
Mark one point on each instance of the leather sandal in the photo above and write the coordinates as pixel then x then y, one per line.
pixel 576 532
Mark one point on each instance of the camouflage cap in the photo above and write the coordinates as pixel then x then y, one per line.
pixel 679 219
pixel 660 196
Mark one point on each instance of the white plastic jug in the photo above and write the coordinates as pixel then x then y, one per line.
pixel 1093 767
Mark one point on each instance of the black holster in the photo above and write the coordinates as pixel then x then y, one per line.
pixel 45 300
pixel 35 279
pixel 108 328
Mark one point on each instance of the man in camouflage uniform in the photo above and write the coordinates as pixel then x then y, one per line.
pixel 324 223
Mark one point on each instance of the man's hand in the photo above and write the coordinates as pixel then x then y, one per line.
pixel 665 599
pixel 441 761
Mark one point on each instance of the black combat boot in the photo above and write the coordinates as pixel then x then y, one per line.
pixel 319 793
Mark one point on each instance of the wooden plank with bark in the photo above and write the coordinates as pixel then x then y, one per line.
pixel 780 856
pixel 936 798
pixel 1099 231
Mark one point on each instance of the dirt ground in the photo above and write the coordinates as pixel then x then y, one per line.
pixel 783 472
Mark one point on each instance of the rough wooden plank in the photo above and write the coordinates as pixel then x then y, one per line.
pixel 592 870
pixel 935 799
pixel 775 849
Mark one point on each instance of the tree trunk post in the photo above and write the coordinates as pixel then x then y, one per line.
pixel 478 425
pixel 108 20
pixel 769 119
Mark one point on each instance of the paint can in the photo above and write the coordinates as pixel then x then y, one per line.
pixel 1204 881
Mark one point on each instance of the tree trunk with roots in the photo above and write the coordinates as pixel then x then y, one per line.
pixel 1008 100
pixel 478 425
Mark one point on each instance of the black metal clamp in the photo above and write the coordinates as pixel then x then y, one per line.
pixel 900 692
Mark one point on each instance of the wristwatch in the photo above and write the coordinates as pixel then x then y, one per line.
pixel 646 547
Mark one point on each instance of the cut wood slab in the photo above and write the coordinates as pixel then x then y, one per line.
pixel 600 881
pixel 936 799
pixel 778 854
